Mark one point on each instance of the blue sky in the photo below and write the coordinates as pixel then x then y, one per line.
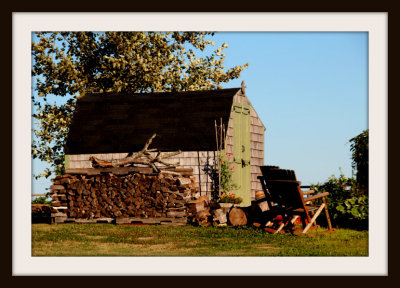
pixel 310 90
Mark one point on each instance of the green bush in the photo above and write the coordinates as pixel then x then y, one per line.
pixel 41 200
pixel 354 209
pixel 347 205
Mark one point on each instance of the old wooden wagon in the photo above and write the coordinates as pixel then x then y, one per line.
pixel 111 125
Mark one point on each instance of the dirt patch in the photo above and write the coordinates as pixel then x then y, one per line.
pixel 266 246
pixel 97 237
pixel 144 238
pixel 168 246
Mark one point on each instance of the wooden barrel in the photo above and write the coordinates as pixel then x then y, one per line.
pixel 237 216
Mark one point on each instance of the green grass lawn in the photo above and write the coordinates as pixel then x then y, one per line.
pixel 130 240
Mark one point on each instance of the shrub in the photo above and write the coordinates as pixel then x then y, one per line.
pixel 41 200
pixel 347 206
pixel 354 209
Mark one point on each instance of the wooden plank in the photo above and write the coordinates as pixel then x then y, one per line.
pixel 92 221
pixel 172 224
pixel 58 214
pixel 181 169
pixel 34 195
pixel 176 213
pixel 114 170
pixel 65 219
pixel 314 218
pixel 180 173
pixel 60 219
pixel 328 219
pixel 307 192
pixel 316 196
pixel 174 220
pixel 76 171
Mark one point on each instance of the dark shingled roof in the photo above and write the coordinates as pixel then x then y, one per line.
pixel 115 122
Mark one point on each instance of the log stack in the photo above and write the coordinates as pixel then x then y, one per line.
pixel 199 211
pixel 102 194
pixel 206 213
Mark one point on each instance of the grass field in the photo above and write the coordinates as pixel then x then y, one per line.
pixel 132 240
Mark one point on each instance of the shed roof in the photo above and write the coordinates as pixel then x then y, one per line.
pixel 116 123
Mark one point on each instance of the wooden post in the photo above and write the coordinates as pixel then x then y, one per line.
pixel 218 162
pixel 198 160
pixel 220 149
pixel 327 214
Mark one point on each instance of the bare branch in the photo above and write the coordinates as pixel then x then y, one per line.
pixel 142 157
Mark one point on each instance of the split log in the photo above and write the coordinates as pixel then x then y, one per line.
pixel 263 205
pixel 176 214
pixel 57 187
pixel 196 207
pixel 184 182
pixel 202 198
pixel 219 216
pixel 203 217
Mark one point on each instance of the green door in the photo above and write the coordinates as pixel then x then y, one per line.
pixel 241 151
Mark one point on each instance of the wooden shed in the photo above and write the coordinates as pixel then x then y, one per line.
pixel 111 125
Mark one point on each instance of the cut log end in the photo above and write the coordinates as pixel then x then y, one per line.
pixel 237 217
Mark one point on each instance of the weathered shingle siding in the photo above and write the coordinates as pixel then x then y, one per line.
pixel 257 150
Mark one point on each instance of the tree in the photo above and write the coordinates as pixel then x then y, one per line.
pixel 69 64
pixel 359 149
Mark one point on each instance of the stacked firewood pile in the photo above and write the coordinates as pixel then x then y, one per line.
pixel 203 212
pixel 107 195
